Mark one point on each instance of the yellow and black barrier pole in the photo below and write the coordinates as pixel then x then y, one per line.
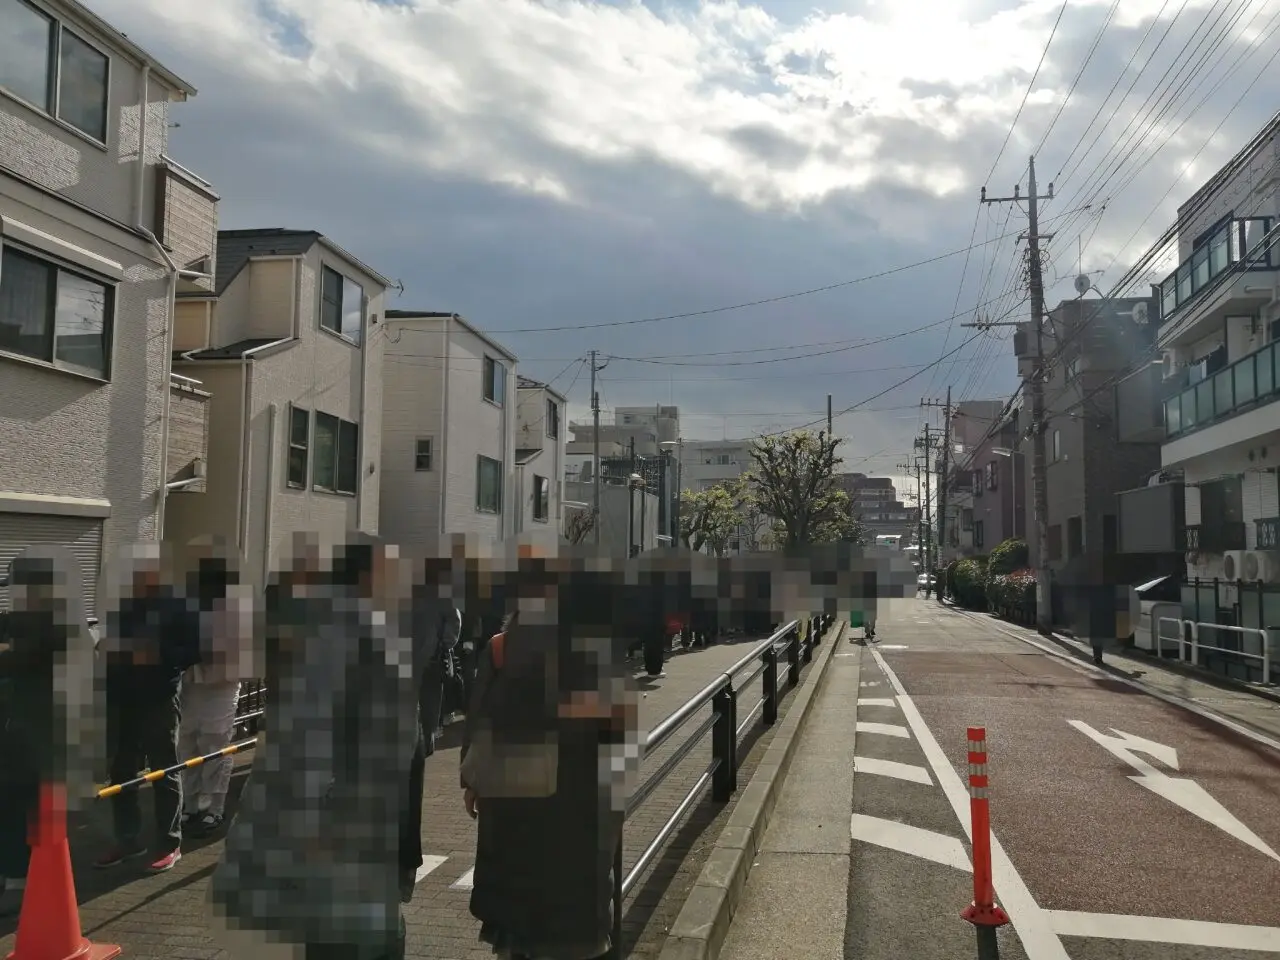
pixel 112 789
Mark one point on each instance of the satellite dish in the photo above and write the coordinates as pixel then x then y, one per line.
pixel 1083 284
pixel 1140 314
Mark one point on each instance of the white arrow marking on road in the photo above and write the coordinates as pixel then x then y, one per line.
pixel 914 841
pixel 1187 794
pixel 877 702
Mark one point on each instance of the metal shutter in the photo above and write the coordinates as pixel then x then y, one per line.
pixel 81 535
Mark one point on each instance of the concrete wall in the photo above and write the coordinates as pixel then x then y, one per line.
pixel 614 509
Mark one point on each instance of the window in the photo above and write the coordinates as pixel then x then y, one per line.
pixel 53 69
pixel 541 498
pixel 1057 446
pixel 553 420
pixel 1075 537
pixel 977 534
pixel 966 518
pixel 1109 534
pixel 50 314
pixel 979 483
pixel 1073 368
pixel 993 475
pixel 488 485
pixel 337 462
pixel 1055 542
pixel 299 446
pixel 82 86
pixel 341 305
pixel 495 381
pixel 422 454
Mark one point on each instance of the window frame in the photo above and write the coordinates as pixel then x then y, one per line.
pixel 552 416
pixel 291 445
pixel 57 266
pixel 493 388
pixel 418 455
pixel 541 492
pixel 1057 446
pixel 326 272
pixel 993 475
pixel 979 534
pixel 481 462
pixel 52 107
pixel 322 418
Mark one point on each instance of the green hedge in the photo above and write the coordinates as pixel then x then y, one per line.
pixel 966 582
pixel 1008 557
pixel 1013 595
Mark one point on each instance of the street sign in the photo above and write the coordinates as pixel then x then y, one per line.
pixel 1180 791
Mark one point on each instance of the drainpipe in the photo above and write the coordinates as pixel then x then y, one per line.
pixel 361 474
pixel 273 421
pixel 444 421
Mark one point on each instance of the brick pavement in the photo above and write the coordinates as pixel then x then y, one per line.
pixel 165 917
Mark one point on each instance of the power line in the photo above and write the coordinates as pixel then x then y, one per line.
pixel 1062 104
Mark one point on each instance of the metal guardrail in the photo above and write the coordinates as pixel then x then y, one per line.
pixel 722 772
pixel 1189 639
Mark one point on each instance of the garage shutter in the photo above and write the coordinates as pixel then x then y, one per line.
pixel 81 535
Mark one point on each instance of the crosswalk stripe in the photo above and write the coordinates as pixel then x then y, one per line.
pixel 428 864
pixel 877 702
pixel 913 841
pixel 891 768
pixel 886 729
pixel 464 882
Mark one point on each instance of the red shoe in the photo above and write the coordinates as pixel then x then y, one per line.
pixel 166 862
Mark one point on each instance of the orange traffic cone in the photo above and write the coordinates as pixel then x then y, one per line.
pixel 49 925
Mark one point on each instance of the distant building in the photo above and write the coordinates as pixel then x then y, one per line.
pixel 875 501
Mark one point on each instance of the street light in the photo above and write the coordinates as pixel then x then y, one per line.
pixel 1012 455
pixel 674 505
pixel 634 482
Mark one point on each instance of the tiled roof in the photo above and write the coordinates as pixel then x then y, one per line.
pixel 235 247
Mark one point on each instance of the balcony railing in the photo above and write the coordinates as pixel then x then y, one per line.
pixel 1230 246
pixel 1251 380
pixel 1215 538
pixel 1268 530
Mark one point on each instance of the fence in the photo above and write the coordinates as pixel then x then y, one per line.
pixel 725 729
pixel 1236 623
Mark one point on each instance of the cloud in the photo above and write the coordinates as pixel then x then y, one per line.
pixel 539 163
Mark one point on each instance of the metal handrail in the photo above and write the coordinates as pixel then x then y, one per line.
pixel 721 772
pixel 1189 636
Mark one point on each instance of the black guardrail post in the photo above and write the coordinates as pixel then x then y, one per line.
pixel 724 744
pixel 771 686
pixel 793 658
pixel 615 951
pixel 810 626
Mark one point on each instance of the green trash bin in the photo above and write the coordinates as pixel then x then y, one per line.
pixel 856 620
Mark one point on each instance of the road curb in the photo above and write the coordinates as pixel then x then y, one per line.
pixel 703 922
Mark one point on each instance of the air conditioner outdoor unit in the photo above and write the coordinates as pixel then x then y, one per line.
pixel 1262 565
pixel 1233 564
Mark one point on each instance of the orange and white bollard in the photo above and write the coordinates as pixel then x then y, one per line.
pixel 984 913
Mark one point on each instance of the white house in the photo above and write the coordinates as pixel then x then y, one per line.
pixel 288 349
pixel 98 230
pixel 539 458
pixel 449 430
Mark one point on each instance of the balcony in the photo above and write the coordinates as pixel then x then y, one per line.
pixel 1251 381
pixel 1268 531
pixel 188 434
pixel 1216 538
pixel 1236 245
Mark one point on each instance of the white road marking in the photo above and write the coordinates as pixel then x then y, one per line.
pixel 914 841
pixel 1191 933
pixel 891 768
pixel 877 702
pixel 428 864
pixel 891 646
pixel 1088 669
pixel 464 882
pixel 866 683
pixel 887 729
pixel 1039 940
pixel 1180 791
pixel 846 654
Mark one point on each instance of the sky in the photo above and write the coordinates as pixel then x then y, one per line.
pixel 743 206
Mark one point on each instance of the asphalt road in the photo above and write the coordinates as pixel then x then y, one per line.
pixel 1125 825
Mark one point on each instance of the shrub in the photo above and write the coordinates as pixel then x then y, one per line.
pixel 1008 557
pixel 1013 594
pixel 969 578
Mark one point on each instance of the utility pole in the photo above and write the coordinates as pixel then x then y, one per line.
pixel 1035 386
pixel 925 444
pixel 830 432
pixel 595 452
pixel 944 467
pixel 913 469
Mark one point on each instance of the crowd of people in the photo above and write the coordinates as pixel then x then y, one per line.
pixel 356 645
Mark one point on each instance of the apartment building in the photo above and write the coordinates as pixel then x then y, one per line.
pixel 1088 343
pixel 98 231
pixel 288 349
pixel 986 496
pixel 644 431
pixel 449 429
pixel 709 463
pixel 875 501
pixel 539 458
pixel 1208 394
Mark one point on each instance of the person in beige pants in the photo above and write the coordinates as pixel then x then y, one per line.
pixel 210 691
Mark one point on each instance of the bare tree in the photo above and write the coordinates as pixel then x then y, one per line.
pixel 578 525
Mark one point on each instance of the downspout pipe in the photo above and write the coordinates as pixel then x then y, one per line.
pixel 140 169
pixel 444 421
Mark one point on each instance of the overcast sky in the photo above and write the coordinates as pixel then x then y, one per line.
pixel 552 169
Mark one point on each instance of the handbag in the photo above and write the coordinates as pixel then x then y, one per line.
pixel 503 769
